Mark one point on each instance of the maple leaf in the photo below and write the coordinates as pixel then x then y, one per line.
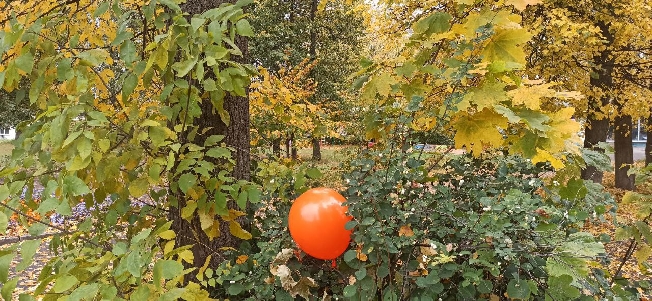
pixel 522 4
pixel 485 96
pixel 474 131
pixel 530 96
pixel 545 156
pixel 505 47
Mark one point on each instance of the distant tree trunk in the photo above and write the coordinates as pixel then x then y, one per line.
pixel 597 128
pixel 624 155
pixel 316 149
pixel 595 132
pixel 276 147
pixel 648 142
pixel 288 145
pixel 293 148
pixel 237 136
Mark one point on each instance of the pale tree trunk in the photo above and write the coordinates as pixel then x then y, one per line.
pixel 624 155
pixel 237 136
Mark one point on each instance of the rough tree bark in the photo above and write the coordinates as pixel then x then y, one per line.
pixel 597 127
pixel 624 155
pixel 237 136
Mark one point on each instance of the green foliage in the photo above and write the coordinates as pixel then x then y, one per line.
pixel 136 159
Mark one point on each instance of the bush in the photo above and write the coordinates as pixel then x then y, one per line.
pixel 466 229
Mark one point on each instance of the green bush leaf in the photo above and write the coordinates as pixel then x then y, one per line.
pixel 186 181
pixel 518 289
pixel 64 283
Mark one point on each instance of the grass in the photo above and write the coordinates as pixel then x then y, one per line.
pixel 5 152
pixel 5 148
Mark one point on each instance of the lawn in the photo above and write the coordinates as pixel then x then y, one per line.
pixel 5 152
pixel 5 148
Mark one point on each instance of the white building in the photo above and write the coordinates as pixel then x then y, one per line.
pixel 7 134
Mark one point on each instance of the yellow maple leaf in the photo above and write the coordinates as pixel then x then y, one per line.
pixel 475 131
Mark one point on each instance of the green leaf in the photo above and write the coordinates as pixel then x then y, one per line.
pixel 244 28
pixel 235 289
pixel 64 283
pixel 8 288
pixel 158 135
pixel 134 263
pixel 5 261
pixel 138 187
pixel 84 147
pixel 350 255
pixel 350 291
pixel 140 294
pixel 84 292
pixel 438 22
pixel 25 62
pixel 4 192
pixel 314 173
pixel 4 222
pixel 218 152
pixel 220 203
pixel 518 289
pixel 170 4
pixel 75 186
pixel 182 68
pixel 574 190
pixel 165 270
pixel 94 57
pixel 242 200
pixel 186 181
pixel 101 9
pixel 141 235
pixel 195 23
pixel 560 288
pixel 27 251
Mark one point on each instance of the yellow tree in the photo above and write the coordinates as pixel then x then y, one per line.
pixel 280 106
pixel 601 48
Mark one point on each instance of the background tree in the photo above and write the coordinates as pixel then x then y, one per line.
pixel 14 108
pixel 601 49
pixel 328 32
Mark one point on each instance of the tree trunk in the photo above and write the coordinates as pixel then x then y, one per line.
pixel 293 147
pixel 237 136
pixel 276 148
pixel 624 155
pixel 595 131
pixel 316 149
pixel 597 126
pixel 288 145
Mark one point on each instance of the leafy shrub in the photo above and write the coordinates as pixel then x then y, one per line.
pixel 466 229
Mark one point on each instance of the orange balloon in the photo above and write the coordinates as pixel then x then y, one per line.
pixel 316 223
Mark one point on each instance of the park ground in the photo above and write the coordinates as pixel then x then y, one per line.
pixel 332 156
